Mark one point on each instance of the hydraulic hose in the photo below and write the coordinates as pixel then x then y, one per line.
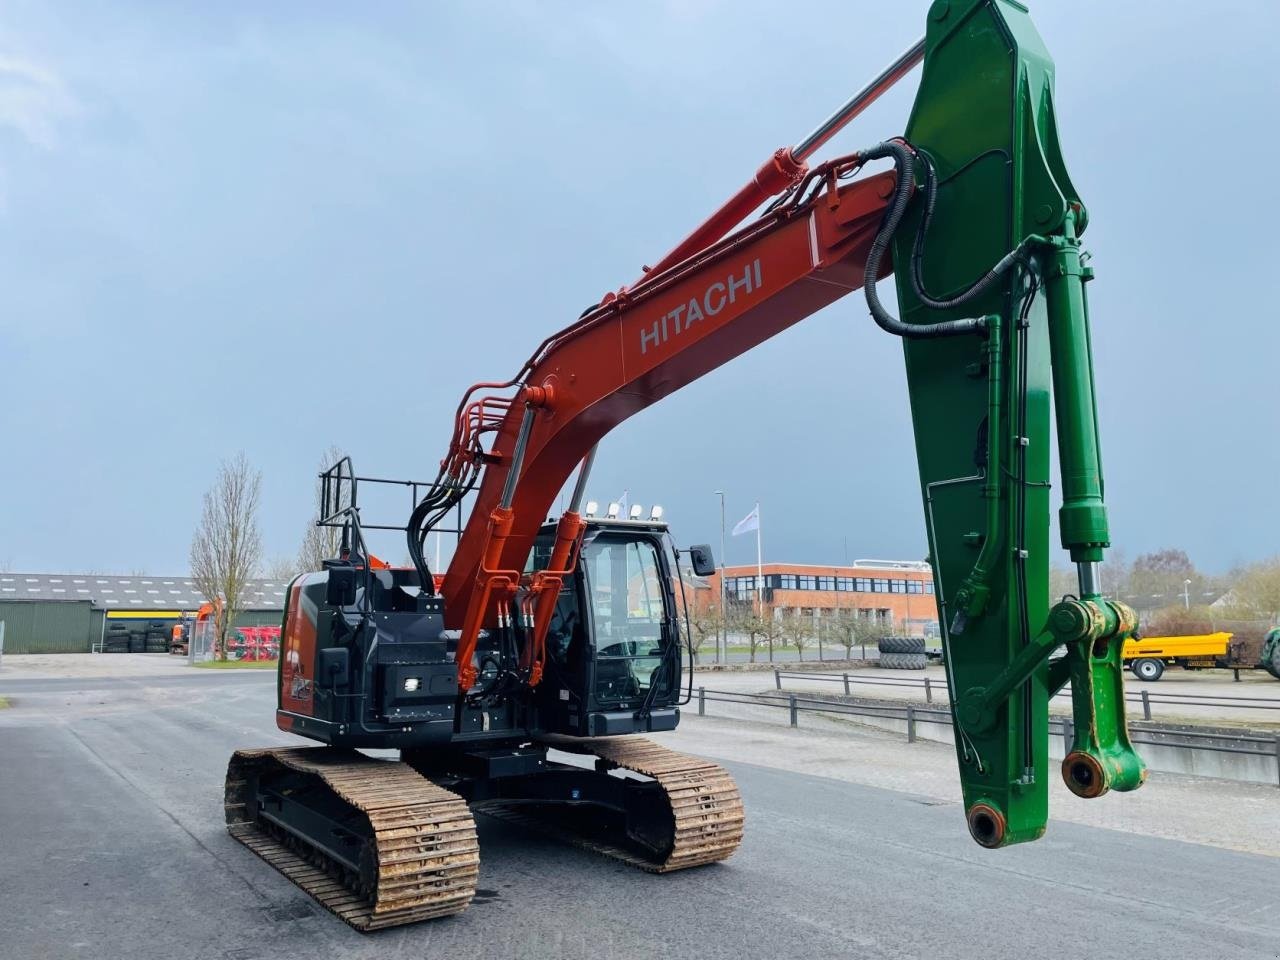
pixel 904 165
pixel 974 290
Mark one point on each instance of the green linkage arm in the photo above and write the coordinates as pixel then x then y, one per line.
pixel 984 120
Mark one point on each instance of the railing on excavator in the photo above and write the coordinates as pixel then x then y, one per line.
pixel 339 489
pixel 340 508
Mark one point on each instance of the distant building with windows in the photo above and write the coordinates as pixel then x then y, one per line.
pixel 898 594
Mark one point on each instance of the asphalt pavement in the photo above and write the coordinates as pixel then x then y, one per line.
pixel 112 845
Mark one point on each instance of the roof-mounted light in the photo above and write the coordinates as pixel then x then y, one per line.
pixel 592 507
pixel 656 512
pixel 637 511
pixel 613 511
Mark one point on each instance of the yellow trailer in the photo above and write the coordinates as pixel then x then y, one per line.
pixel 1148 656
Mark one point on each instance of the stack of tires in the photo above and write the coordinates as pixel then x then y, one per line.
pixel 902 653
pixel 157 637
pixel 117 639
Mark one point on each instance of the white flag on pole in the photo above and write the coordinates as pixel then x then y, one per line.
pixel 748 523
pixel 624 503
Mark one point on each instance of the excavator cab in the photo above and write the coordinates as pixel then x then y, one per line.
pixel 367 660
pixel 613 646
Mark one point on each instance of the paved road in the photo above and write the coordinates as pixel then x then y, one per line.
pixel 111 845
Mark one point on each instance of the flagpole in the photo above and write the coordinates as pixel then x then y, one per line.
pixel 759 563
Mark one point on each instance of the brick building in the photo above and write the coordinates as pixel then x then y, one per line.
pixel 896 593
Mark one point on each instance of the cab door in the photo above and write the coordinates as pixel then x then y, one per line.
pixel 631 623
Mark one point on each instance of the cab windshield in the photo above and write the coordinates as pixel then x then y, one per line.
pixel 624 582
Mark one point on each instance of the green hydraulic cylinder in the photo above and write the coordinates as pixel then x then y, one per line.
pixel 1101 758
pixel 1082 519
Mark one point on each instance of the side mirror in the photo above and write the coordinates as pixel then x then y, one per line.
pixel 341 588
pixel 700 558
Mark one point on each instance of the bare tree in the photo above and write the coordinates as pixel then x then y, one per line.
pixel 751 625
pixel 1255 591
pixel 796 629
pixel 227 547
pixel 1062 582
pixel 704 623
pixel 1116 574
pixel 841 629
pixel 1159 579
pixel 868 631
pixel 282 569
pixel 771 629
pixel 321 543
pixel 850 630
pixel 854 631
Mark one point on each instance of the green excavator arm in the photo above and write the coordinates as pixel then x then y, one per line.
pixel 991 168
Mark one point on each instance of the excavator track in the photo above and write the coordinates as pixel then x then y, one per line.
pixel 706 811
pixel 425 856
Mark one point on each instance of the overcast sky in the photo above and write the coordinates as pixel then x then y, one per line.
pixel 273 227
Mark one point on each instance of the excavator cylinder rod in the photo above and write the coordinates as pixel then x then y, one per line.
pixel 787 165
pixel 886 78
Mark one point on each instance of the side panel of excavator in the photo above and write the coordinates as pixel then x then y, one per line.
pixel 362 661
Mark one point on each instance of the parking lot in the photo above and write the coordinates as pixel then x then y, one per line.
pixel 855 845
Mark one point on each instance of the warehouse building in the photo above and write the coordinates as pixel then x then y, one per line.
pixel 897 594
pixel 70 612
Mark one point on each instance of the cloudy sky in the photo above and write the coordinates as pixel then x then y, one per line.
pixel 273 227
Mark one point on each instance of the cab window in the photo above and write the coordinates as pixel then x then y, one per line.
pixel 628 609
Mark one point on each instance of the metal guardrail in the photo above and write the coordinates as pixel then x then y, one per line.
pixel 1144 697
pixel 1243 744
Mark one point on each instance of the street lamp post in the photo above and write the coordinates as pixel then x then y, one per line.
pixel 724 610
pixel 1186 594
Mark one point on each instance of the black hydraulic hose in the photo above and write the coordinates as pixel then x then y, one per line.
pixel 415 537
pixel 904 165
pixel 982 284
pixel 430 510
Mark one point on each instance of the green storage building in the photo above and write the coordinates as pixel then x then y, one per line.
pixel 69 613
